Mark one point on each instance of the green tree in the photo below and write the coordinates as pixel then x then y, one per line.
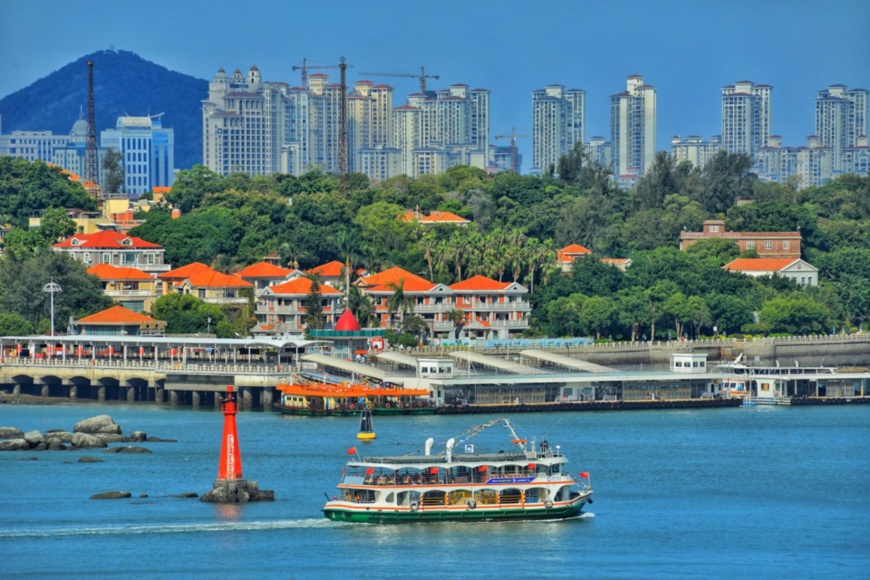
pixel 14 325
pixel 314 318
pixel 398 301
pixel 457 318
pixel 726 177
pixel 794 315
pixel 660 181
pixel 191 186
pixel 113 171
pixel 187 314
pixel 596 314
pixel 56 226
pixel 27 187
pixel 719 250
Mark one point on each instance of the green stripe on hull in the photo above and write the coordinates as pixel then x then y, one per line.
pixel 469 515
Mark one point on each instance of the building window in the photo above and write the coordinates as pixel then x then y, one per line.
pixel 750 245
pixel 107 258
pixel 201 292
pixel 768 245
pixel 785 245
pixel 714 229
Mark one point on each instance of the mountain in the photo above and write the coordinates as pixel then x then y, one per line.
pixel 124 84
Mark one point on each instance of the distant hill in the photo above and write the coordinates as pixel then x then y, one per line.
pixel 124 84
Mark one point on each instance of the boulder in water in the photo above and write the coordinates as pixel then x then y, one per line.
pixel 127 449
pixel 112 495
pixel 34 437
pixel 113 437
pixel 87 459
pixel 98 424
pixel 11 433
pixel 58 435
pixel 85 441
pixel 138 436
pixel 14 445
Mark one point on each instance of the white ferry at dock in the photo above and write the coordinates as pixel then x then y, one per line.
pixel 527 483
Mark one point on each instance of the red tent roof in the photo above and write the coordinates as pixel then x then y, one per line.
pixel 347 322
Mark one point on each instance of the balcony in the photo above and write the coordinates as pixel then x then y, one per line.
pixel 516 306
pixel 131 293
pixel 225 300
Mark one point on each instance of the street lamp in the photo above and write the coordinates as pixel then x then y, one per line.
pixel 52 288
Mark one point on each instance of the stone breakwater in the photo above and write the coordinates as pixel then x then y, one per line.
pixel 94 432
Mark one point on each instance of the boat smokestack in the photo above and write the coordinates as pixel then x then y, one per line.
pixel 429 443
pixel 450 443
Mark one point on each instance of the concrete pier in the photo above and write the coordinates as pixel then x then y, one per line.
pixel 101 394
pixel 173 398
pixel 73 393
pixel 195 399
pixel 131 395
pixel 44 391
pixel 266 398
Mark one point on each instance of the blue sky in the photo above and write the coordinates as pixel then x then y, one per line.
pixel 687 49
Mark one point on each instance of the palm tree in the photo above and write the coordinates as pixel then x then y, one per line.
pixel 399 301
pixel 416 326
pixel 457 317
pixel 362 307
pixel 313 304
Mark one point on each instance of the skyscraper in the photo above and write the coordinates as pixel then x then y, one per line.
pixel 147 152
pixel 633 128
pixel 558 122
pixel 841 118
pixel 745 117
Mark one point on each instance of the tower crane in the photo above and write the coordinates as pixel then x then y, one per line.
pixel 422 76
pixel 305 67
pixel 513 137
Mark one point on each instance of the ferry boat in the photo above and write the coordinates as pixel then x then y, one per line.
pixel 326 400
pixel 525 483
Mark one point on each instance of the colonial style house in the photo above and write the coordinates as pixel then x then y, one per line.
pixel 493 309
pixel 264 274
pixel 566 256
pixel 115 248
pixel 767 244
pixel 803 273
pixel 429 300
pixel 434 218
pixel 206 283
pixel 118 320
pixel 131 288
pixel 280 308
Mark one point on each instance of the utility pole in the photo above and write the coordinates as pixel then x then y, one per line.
pixel 52 288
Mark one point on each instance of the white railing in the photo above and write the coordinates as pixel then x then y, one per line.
pixel 199 366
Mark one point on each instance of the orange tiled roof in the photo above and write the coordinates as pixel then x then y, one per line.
pixel 161 189
pixel 110 272
pixel 214 279
pixel 759 264
pixel 433 217
pixel 329 270
pixel 117 315
pixel 478 283
pixel 105 239
pixel 183 272
pixel 300 286
pixel 263 270
pixel 381 281
pixel 568 253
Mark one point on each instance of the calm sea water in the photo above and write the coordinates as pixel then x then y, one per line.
pixel 748 492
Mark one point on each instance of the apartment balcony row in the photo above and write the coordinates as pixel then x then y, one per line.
pixel 269 308
pixel 131 293
pixel 476 306
pixel 224 299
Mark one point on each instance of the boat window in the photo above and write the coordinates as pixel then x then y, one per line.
pixel 486 497
pixel 555 469
pixel 434 498
pixel 402 498
pixel 391 497
pixel 511 495
pixel 458 496
pixel 536 495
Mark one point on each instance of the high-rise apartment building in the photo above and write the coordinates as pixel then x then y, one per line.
pixel 694 149
pixel 242 124
pixel 558 123
pixel 745 117
pixel 147 152
pixel 841 119
pixel 811 164
pixel 633 128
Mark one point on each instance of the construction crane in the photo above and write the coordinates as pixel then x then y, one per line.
pixel 91 152
pixel 305 67
pixel 422 76
pixel 513 137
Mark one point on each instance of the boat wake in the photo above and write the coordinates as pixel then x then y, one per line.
pixel 166 528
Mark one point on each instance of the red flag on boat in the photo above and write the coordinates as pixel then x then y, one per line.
pixel 482 468
pixel 370 470
pixel 531 466
pixel 351 451
pixel 433 470
pixel 584 474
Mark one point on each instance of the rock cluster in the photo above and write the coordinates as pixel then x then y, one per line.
pixel 92 433
pixel 237 491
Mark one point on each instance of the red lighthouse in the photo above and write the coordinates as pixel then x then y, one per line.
pixel 231 456
pixel 230 486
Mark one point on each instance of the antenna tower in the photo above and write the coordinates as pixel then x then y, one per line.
pixel 91 156
pixel 342 130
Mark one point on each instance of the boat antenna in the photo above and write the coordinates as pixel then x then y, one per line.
pixel 551 428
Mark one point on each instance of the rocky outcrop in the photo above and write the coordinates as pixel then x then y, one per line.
pixel 11 433
pixel 113 437
pixel 188 495
pixel 34 438
pixel 58 435
pixel 112 495
pixel 98 424
pixel 85 441
pixel 14 445
pixel 237 491
pixel 127 449
pixel 87 459
pixel 138 436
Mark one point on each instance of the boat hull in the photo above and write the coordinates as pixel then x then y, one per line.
pixel 344 513
pixel 308 412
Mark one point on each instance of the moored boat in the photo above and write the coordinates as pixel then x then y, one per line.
pixel 526 483
pixel 323 399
